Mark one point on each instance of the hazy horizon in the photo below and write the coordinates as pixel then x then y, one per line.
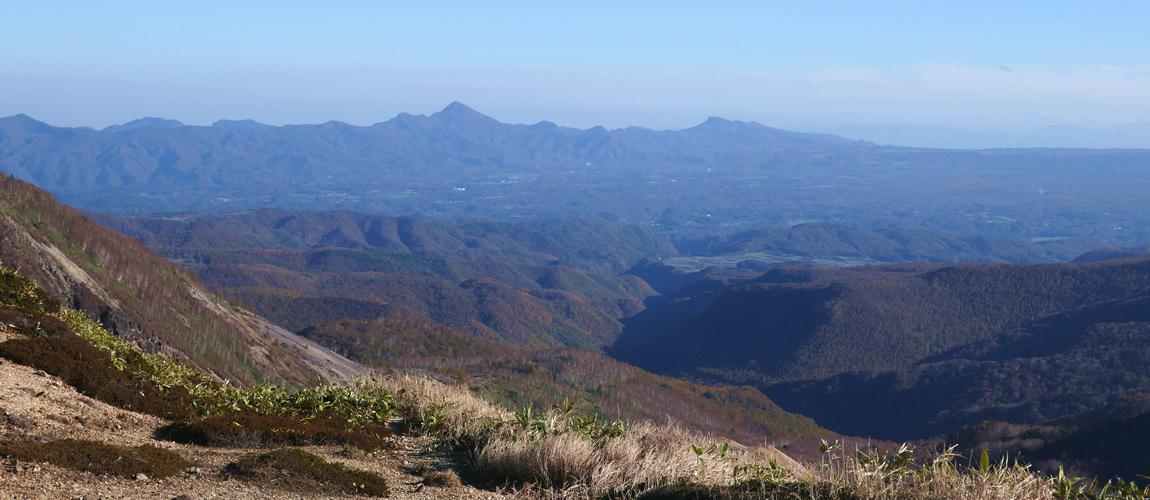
pixel 978 67
pixel 1132 135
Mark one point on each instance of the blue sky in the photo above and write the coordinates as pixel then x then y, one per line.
pixel 667 64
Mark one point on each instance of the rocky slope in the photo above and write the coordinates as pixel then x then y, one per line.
pixel 143 298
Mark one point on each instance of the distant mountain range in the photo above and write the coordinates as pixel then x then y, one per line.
pixel 153 151
pixel 719 177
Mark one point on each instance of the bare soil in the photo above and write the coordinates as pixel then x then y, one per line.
pixel 39 407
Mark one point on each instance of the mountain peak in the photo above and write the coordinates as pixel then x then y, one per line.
pixel 248 124
pixel 22 124
pixel 457 108
pixel 457 112
pixel 22 119
pixel 143 122
pixel 716 123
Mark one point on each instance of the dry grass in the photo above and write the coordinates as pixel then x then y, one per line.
pixel 456 416
pixel 645 456
pixel 441 478
pixel 557 450
pixel 561 455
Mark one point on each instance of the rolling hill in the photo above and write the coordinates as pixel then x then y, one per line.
pixel 593 245
pixel 545 283
pixel 1114 253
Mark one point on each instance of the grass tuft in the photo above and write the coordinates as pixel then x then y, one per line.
pixel 441 478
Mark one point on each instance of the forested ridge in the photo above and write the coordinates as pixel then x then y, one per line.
pixel 1054 369
pixel 795 323
pixel 538 284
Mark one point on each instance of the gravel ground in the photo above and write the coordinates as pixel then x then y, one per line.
pixel 37 406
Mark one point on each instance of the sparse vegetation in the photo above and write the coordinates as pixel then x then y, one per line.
pixel 596 384
pixel 441 478
pixel 105 367
pixel 570 456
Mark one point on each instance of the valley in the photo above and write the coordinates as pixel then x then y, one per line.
pixel 948 342
pixel 575 251
pixel 1027 342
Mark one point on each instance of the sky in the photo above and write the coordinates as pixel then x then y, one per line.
pixel 974 65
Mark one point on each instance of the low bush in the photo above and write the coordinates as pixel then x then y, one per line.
pixel 30 323
pixel 298 469
pixel 91 372
pixel 18 291
pixel 98 458
pixel 354 407
pixel 252 429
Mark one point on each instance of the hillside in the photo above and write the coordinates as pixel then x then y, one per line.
pixel 1107 448
pixel 1057 369
pixel 595 383
pixel 531 285
pixel 793 324
pixel 145 299
pixel 592 245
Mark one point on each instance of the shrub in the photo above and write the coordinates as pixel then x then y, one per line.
pixel 98 458
pixel 92 373
pixel 18 291
pixel 352 407
pixel 298 469
pixel 253 429
pixel 30 323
